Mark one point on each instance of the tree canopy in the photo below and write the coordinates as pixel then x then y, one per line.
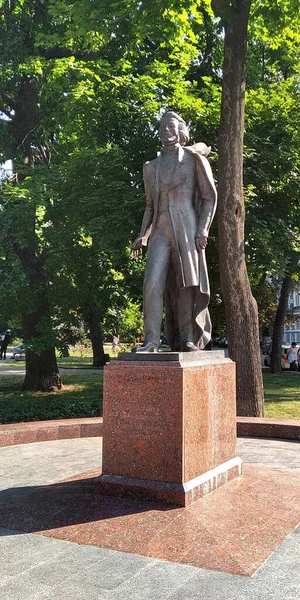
pixel 82 85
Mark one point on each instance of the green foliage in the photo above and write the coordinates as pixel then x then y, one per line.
pixel 272 161
pixel 45 339
pixel 104 73
pixel 127 322
pixel 267 306
pixel 80 397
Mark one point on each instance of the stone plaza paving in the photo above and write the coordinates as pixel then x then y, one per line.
pixel 60 540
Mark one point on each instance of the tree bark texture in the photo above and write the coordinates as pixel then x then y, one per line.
pixel 279 324
pixel 99 359
pixel 41 368
pixel 241 307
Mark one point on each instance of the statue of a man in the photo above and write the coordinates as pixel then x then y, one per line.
pixel 180 205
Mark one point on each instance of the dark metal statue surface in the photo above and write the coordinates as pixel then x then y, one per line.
pixel 180 205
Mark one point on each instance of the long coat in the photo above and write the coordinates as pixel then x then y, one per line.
pixel 192 203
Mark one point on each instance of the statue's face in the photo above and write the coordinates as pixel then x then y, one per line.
pixel 169 132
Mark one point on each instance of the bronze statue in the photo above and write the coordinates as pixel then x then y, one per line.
pixel 180 205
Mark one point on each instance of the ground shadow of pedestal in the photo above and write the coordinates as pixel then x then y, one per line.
pixel 41 508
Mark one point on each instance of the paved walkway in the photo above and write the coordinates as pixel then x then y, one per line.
pixel 269 452
pixel 36 567
pixel 8 368
pixel 43 463
pixel 61 459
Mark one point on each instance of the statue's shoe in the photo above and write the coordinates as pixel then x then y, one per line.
pixel 149 347
pixel 190 347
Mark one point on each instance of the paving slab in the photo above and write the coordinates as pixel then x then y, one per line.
pixel 210 550
pixel 277 579
pixel 43 463
pixel 270 452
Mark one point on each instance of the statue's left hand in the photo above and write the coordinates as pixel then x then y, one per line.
pixel 136 248
pixel 201 242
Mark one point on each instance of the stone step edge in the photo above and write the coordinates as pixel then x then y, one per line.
pixel 44 431
pixel 286 429
pixel 60 429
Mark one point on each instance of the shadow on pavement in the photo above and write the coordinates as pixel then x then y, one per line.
pixel 40 508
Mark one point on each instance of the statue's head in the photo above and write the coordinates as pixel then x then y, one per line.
pixel 173 129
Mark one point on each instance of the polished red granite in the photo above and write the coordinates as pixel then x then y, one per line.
pixel 171 493
pixel 209 413
pixel 166 424
pixel 92 427
pixel 143 421
pixel 287 429
pixel 42 431
pixel 234 529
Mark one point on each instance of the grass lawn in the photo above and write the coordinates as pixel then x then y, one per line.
pixel 81 396
pixel 282 395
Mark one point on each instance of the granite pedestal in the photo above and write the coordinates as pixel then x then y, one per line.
pixel 169 426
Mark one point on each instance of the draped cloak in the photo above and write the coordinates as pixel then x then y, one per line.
pixel 192 202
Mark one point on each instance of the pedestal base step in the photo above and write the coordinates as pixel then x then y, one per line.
pixel 171 493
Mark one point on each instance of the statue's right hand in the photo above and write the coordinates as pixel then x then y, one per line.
pixel 136 248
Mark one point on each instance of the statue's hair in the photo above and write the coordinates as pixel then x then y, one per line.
pixel 184 135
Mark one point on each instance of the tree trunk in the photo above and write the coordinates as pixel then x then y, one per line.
pixel 279 324
pixel 99 359
pixel 41 365
pixel 41 369
pixel 241 308
pixel 42 372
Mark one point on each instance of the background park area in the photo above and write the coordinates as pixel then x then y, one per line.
pixel 81 395
pixel 81 96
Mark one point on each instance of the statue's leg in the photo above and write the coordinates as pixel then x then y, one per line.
pixel 158 261
pixel 185 311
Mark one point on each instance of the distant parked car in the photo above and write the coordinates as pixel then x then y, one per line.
pixel 266 356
